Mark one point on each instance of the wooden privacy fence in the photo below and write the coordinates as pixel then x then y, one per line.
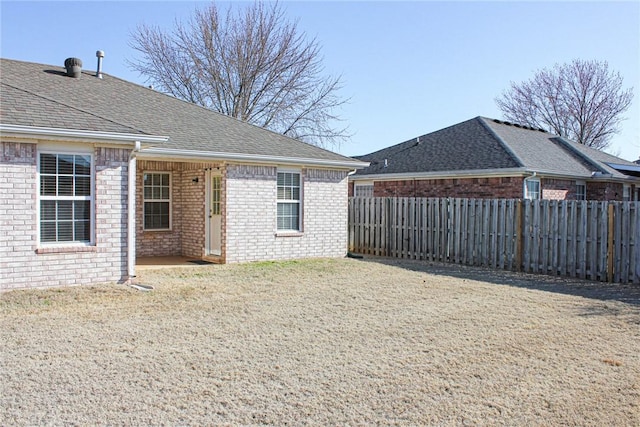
pixel 586 239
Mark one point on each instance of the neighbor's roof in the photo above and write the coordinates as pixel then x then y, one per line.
pixel 487 145
pixel 43 96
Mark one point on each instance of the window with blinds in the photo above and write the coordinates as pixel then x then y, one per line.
pixel 66 198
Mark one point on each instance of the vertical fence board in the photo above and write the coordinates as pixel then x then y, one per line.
pixel 625 230
pixel 634 250
pixel 617 242
pixel 604 240
pixel 596 219
pixel 582 235
pixel 551 236
pixel 471 229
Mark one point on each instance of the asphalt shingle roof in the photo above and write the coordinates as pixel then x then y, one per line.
pixel 467 145
pixel 43 96
pixel 487 144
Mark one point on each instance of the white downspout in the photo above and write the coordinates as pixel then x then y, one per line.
pixel 131 214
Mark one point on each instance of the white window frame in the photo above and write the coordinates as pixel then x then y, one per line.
pixel 365 187
pixel 527 193
pixel 152 200
pixel 581 195
pixel 66 151
pixel 298 202
pixel 626 192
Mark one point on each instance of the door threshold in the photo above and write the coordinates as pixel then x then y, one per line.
pixel 216 259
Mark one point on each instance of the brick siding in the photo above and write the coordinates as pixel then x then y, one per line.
pixel 503 188
pixel 22 263
pixel 251 215
pixel 604 191
pixel 248 218
pixel 186 237
pixel 493 188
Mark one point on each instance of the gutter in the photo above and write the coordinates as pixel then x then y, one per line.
pixel 113 137
pixel 177 154
pixel 476 173
pixel 131 213
pixel 484 173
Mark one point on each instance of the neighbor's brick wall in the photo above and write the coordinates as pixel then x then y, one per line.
pixel 604 191
pixel 20 264
pixel 251 215
pixel 502 188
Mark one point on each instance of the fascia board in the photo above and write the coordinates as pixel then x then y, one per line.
pixel 86 135
pixel 155 153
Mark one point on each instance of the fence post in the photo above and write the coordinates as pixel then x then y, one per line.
pixel 636 243
pixel 610 239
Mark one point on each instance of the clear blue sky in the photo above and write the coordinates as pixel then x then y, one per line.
pixel 409 67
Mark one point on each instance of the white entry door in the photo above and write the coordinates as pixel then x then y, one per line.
pixel 213 240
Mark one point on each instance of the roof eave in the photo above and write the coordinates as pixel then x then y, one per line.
pixel 191 155
pixel 76 134
pixel 442 174
pixel 486 173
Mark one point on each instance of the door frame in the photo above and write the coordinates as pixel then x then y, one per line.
pixel 210 174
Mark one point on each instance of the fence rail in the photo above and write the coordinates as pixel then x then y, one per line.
pixel 586 239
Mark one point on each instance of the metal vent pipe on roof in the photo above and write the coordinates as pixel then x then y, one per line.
pixel 99 55
pixel 74 67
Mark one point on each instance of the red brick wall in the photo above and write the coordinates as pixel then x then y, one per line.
pixel 503 188
pixel 490 188
pixel 604 191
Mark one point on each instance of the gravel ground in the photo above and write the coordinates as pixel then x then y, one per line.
pixel 323 342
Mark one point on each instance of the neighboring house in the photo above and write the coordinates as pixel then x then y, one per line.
pixel 96 171
pixel 487 158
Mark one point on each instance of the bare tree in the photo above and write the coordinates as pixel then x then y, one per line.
pixel 582 101
pixel 251 64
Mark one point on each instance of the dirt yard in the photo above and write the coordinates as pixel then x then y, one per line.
pixel 323 342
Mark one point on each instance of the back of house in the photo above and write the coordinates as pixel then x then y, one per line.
pixel 96 171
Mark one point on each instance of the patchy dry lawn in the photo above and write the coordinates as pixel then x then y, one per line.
pixel 323 342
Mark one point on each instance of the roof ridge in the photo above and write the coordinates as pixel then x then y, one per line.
pixel 503 143
pixel 73 107
pixel 567 146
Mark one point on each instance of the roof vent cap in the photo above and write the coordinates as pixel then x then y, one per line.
pixel 74 67
pixel 99 55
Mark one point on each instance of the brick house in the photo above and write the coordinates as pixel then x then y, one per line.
pixel 96 171
pixel 487 158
